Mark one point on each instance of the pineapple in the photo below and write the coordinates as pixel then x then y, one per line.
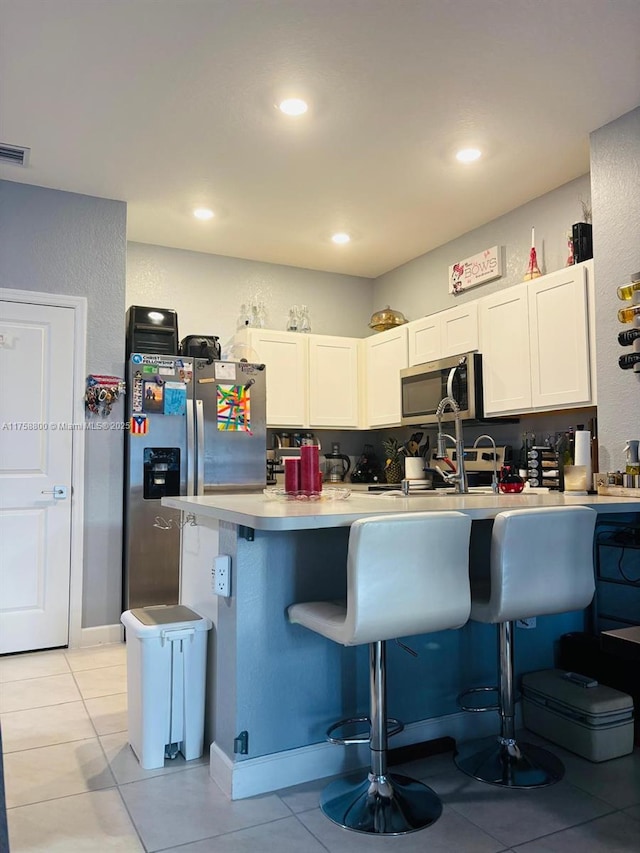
pixel 393 467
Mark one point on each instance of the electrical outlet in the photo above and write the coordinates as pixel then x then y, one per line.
pixel 221 575
pixel 526 623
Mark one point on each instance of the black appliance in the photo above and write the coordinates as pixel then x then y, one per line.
pixel 201 346
pixel 582 237
pixel 367 468
pixel 152 330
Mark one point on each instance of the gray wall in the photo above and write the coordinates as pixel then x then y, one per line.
pixel 208 290
pixel 615 179
pixel 71 244
pixel 420 286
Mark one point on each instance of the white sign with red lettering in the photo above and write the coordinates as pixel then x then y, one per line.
pixel 478 269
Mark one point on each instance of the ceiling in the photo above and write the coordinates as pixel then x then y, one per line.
pixel 169 105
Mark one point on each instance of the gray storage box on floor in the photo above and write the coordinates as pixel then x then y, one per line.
pixel 594 722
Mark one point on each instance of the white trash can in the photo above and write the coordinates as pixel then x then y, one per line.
pixel 166 674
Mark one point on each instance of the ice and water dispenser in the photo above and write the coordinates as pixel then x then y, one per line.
pixel 161 472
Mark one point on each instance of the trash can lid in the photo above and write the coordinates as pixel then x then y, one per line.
pixel 163 614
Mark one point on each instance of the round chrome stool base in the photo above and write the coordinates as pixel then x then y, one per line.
pixel 381 805
pixel 510 764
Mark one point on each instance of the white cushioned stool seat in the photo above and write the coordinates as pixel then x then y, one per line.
pixel 406 574
pixel 541 563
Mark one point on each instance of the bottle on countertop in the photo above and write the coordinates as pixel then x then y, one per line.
pixel 633 462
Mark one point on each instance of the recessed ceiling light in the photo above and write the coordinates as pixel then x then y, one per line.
pixel 293 106
pixel 468 155
pixel 340 238
pixel 203 213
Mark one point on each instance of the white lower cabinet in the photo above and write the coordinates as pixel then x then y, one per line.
pixel 535 344
pixel 386 354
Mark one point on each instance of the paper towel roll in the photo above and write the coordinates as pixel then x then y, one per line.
pixel 583 450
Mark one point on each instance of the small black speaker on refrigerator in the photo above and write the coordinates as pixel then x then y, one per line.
pixel 582 241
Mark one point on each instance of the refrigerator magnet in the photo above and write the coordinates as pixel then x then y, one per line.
pixel 139 425
pixel 175 398
pixel 153 398
pixel 224 370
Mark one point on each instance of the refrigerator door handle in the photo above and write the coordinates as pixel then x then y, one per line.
pixel 191 451
pixel 200 451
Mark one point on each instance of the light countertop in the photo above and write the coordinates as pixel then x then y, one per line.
pixel 261 513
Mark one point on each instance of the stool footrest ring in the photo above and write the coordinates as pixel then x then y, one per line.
pixel 475 709
pixel 394 727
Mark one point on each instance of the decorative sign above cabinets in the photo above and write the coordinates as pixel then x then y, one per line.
pixel 478 269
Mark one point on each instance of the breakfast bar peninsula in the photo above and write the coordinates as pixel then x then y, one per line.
pixel 274 688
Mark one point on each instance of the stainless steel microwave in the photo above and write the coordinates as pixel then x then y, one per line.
pixel 424 385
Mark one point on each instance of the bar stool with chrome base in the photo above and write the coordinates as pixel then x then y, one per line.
pixel 406 574
pixel 541 563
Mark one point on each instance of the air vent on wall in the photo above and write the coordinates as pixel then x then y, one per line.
pixel 15 154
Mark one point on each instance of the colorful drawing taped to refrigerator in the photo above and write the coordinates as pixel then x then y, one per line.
pixel 175 398
pixel 234 408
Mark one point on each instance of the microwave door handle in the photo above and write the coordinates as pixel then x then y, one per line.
pixel 190 450
pixel 452 373
pixel 200 453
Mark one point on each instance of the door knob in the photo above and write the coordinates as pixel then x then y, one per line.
pixel 59 493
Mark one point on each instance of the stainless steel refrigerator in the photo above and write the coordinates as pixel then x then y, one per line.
pixel 194 428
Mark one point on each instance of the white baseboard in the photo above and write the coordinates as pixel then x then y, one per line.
pixel 246 778
pixel 101 635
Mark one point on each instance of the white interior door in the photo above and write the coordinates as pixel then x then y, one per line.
pixel 36 404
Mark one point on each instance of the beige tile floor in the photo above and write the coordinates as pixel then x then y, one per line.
pixel 73 785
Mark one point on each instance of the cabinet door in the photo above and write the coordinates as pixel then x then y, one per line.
pixel 285 355
pixel 387 355
pixel 504 344
pixel 333 381
pixel 459 329
pixel 425 342
pixel 559 332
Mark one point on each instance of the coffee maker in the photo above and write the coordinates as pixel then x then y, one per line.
pixel 337 465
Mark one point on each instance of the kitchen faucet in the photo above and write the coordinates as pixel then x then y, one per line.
pixel 494 479
pixel 460 477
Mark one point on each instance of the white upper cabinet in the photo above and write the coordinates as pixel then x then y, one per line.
pixel 460 329
pixel 333 381
pixel 443 334
pixel 387 353
pixel 504 344
pixel 312 380
pixel 535 344
pixel 559 338
pixel 425 339
pixel 285 355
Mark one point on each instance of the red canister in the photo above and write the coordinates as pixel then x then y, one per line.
pixel 309 468
pixel 292 474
